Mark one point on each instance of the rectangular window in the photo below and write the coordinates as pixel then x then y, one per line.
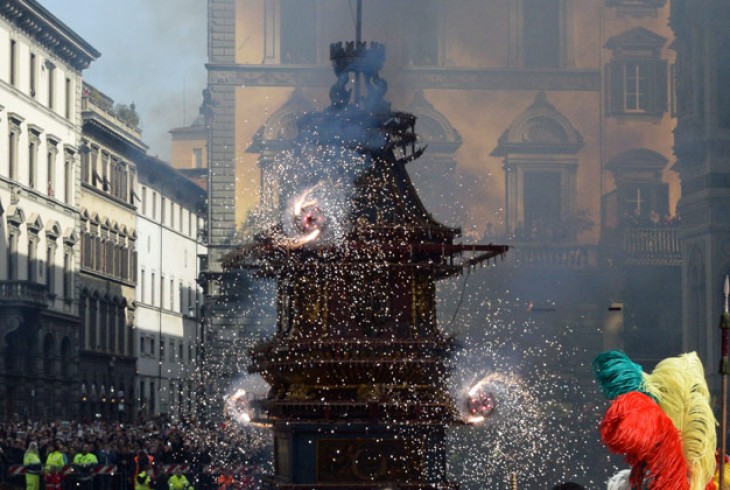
pixel 50 273
pixel 67 274
pixel 542 208
pixel 13 155
pixel 13 61
pixel 94 172
pixel 33 64
pixel 162 292
pixel 141 346
pixel 419 30
pixel 541 33
pixel 68 179
pixel 298 46
pixel 51 168
pixel 32 161
pixel 636 83
pixel 163 209
pixel 172 214
pixel 152 289
pixel 51 85
pixel 172 294
pixel 197 158
pixel 180 220
pixel 154 205
pixel 181 351
pixel 68 98
pixel 144 200
pixel 141 287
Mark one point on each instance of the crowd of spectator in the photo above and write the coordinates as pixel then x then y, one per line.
pixel 199 447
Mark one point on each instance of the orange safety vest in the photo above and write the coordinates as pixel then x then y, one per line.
pixel 150 460
pixel 224 481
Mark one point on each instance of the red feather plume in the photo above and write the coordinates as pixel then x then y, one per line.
pixel 636 427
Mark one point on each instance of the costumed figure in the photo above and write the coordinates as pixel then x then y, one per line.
pixel 661 422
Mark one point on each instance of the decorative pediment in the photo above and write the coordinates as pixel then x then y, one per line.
pixel 16 215
pixel 638 164
pixel 53 230
pixel 281 128
pixel 70 237
pixel 637 38
pixel 35 223
pixel 540 129
pixel 432 126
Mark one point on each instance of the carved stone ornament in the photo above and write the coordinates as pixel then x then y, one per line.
pixel 9 323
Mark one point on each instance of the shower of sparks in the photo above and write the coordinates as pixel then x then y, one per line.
pixel 236 407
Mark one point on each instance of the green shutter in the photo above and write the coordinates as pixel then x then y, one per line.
pixel 660 87
pixel 614 87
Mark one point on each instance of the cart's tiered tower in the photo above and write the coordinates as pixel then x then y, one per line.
pixel 358 366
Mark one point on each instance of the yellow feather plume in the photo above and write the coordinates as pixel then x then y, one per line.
pixel 679 386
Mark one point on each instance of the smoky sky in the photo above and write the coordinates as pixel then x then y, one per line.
pixel 152 53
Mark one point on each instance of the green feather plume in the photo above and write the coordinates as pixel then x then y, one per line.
pixel 617 374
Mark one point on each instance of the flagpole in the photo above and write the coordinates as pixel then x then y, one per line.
pixel 724 371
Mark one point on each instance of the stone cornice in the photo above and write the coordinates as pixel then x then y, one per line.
pixel 417 78
pixel 49 31
pixel 103 127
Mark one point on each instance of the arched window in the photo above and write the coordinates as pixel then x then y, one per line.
pixel 540 191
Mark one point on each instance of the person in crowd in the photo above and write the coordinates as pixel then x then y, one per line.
pixel 33 467
pixel 55 461
pixel 84 463
pixel 106 457
pixel 142 481
pixel 178 481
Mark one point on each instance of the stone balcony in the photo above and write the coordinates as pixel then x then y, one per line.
pixel 23 294
pixel 658 246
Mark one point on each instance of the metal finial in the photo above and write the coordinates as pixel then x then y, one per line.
pixel 726 291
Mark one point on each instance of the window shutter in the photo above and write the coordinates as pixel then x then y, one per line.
pixel 660 87
pixel 614 87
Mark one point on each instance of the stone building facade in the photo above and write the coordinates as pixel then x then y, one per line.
pixel 40 123
pixel 168 330
pixel 549 124
pixel 702 147
pixel 110 146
